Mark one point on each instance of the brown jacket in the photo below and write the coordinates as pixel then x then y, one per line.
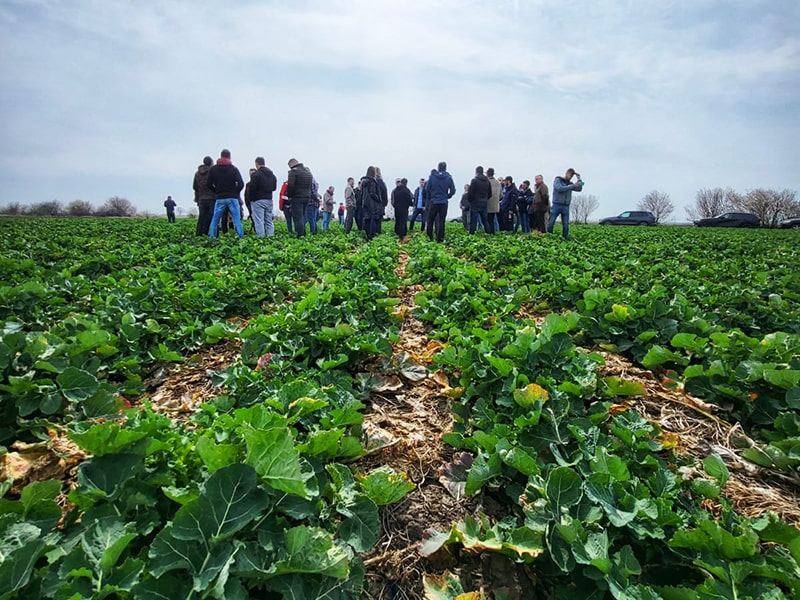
pixel 541 198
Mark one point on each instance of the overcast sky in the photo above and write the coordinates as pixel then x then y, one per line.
pixel 105 98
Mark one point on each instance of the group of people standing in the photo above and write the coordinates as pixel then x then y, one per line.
pixel 498 205
pixel 488 203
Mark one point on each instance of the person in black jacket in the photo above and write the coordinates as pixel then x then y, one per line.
pixel 524 200
pixel 372 202
pixel 262 183
pixel 203 197
pixel 508 204
pixel 480 190
pixel 401 201
pixel 225 180
pixel 298 193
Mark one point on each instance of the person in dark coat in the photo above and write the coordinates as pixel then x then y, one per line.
pixel 464 206
pixel 262 183
pixel 203 197
pixel 440 188
pixel 298 194
pixel 225 180
pixel 524 200
pixel 384 191
pixel 541 205
pixel 402 202
pixel 170 205
pixel 508 204
pixel 372 202
pixel 480 190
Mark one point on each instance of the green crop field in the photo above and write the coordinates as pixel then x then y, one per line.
pixel 610 417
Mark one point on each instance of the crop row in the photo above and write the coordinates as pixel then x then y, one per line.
pixel 253 494
pixel 601 505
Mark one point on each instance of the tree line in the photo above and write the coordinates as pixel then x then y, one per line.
pixel 770 206
pixel 113 207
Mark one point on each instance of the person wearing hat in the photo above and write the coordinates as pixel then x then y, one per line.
pixel 169 203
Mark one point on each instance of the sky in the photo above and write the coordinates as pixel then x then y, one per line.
pixel 105 98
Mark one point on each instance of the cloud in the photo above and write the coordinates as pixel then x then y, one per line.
pixel 124 99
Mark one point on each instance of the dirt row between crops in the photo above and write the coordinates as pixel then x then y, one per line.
pixel 409 420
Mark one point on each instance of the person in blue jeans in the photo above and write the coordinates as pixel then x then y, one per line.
pixel 419 207
pixel 225 180
pixel 562 197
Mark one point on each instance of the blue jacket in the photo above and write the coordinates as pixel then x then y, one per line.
pixel 562 190
pixel 440 187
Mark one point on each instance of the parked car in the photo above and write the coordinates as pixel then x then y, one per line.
pixel 791 223
pixel 730 219
pixel 631 217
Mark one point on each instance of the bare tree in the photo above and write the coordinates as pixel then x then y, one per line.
pixel 45 209
pixel 582 206
pixel 117 207
pixel 13 209
pixel 771 206
pixel 712 202
pixel 79 208
pixel 657 203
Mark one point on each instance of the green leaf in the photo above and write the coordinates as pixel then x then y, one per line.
pixel 502 365
pixel 38 500
pixel 110 438
pixel 564 488
pixel 771 528
pixel 104 542
pixel 107 474
pixel 658 355
pixel 518 458
pixel 20 548
pixel 688 341
pixel 782 378
pixel 204 563
pixel 216 456
pixel 604 495
pixel 361 528
pixel 384 485
pixel 525 543
pixel 593 551
pixel 229 501
pixel 716 468
pixel 311 550
pixel 482 471
pixel 76 384
pixel 273 455
pixel 711 537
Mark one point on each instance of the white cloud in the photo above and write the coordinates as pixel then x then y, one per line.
pixel 125 98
